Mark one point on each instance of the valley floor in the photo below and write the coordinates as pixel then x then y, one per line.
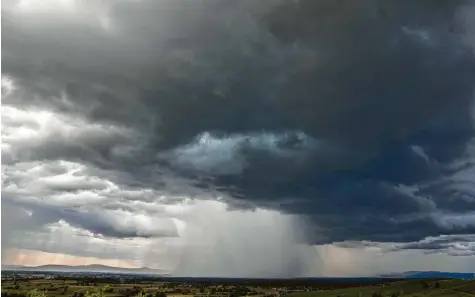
pixel 44 286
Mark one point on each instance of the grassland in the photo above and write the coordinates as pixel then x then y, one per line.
pixel 20 287
pixel 445 288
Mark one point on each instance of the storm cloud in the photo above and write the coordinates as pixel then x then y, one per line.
pixel 355 116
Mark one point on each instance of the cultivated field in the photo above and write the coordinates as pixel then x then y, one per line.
pixel 97 287
pixel 441 288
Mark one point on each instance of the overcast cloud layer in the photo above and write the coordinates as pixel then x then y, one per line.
pixel 348 122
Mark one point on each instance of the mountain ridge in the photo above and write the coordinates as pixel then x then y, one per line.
pixel 84 268
pixel 430 274
pixel 148 270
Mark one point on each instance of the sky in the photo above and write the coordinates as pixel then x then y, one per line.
pixel 239 138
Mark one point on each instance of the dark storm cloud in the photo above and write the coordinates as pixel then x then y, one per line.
pixel 349 113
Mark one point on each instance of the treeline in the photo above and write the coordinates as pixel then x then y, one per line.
pixel 100 292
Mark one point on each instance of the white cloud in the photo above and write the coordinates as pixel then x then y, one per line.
pixel 74 208
pixel 8 86
pixel 66 11
pixel 454 221
pixel 225 155
pixel 68 191
pixel 420 152
pixel 63 239
pixel 25 132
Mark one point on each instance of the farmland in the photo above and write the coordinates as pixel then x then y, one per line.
pixel 90 286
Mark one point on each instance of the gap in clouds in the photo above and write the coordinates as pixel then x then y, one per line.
pixel 37 258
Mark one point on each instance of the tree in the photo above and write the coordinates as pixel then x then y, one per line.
pixel 141 294
pixel 98 292
pixel 437 285
pixel 94 293
pixel 107 289
pixel 36 293
pixel 160 294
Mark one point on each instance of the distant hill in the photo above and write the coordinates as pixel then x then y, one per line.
pixel 430 274
pixel 85 268
pixel 146 270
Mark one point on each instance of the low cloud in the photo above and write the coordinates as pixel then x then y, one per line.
pixel 454 245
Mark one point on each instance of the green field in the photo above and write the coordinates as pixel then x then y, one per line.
pixel 12 287
pixel 446 288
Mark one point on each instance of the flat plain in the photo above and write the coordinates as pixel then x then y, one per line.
pixel 44 286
